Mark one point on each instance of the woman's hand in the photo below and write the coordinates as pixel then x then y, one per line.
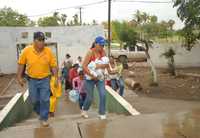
pixel 102 66
pixel 94 78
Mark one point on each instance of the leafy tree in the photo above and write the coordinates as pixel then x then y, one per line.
pixel 94 22
pixel 54 20
pixel 48 21
pixel 10 17
pixel 189 12
pixel 75 21
pixel 153 19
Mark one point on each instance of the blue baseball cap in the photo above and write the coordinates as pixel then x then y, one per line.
pixel 100 40
pixel 39 36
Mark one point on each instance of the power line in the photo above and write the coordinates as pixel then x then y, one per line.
pixel 100 2
pixel 141 1
pixel 72 7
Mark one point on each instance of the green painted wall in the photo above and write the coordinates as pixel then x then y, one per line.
pixel 112 105
pixel 20 111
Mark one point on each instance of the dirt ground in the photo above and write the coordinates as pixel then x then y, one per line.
pixel 4 80
pixel 13 87
pixel 170 87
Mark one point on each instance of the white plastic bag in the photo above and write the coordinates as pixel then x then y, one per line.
pixel 74 96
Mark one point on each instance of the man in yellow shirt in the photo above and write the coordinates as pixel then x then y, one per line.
pixel 40 64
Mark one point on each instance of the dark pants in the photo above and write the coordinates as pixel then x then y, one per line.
pixel 82 98
pixel 118 83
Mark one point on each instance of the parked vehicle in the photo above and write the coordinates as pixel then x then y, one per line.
pixel 134 53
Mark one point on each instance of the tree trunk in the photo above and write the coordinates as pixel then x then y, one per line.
pixel 153 69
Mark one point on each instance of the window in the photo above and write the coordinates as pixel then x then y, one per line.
pixel 132 48
pixel 24 35
pixel 48 34
pixel 141 48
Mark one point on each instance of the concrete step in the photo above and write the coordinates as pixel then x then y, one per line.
pixel 60 127
pixel 57 129
pixel 75 117
pixel 165 125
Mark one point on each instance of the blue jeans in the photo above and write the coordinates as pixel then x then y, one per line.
pixel 82 98
pixel 89 85
pixel 39 91
pixel 115 84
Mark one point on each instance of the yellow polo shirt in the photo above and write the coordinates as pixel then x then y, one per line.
pixel 38 65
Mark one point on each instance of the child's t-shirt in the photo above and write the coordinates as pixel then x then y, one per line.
pixel 78 85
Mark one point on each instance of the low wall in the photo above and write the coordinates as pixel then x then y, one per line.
pixel 18 109
pixel 115 103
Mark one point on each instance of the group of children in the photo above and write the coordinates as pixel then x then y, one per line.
pixel 73 77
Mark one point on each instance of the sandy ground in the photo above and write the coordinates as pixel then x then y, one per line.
pixel 172 95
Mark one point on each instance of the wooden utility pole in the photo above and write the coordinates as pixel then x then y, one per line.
pixel 80 9
pixel 109 26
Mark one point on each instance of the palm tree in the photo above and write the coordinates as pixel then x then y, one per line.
pixel 138 17
pixel 145 17
pixel 63 19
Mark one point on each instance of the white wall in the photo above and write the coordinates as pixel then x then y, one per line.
pixel 73 40
pixel 183 58
pixel 8 55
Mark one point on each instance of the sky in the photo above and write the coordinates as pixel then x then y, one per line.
pixel 99 12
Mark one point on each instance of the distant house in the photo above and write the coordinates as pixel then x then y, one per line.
pixel 74 40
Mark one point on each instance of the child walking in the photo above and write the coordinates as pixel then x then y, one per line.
pixel 78 85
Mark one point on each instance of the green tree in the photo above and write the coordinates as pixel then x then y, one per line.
pixel 171 24
pixel 75 20
pixel 94 22
pixel 169 55
pixel 153 19
pixel 189 12
pixel 10 17
pixel 48 21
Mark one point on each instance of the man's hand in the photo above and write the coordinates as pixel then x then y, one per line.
pixel 21 81
pixel 20 71
pixel 102 66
